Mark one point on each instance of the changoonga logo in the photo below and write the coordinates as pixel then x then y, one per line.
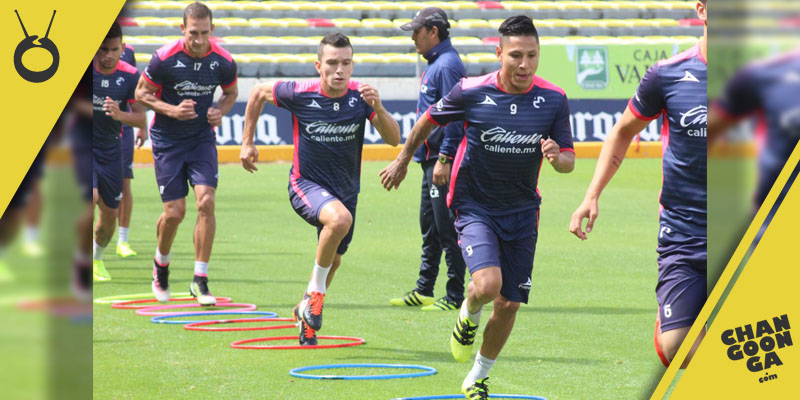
pixel 760 344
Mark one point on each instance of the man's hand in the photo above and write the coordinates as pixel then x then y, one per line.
pixel 111 108
pixel 587 209
pixel 441 174
pixel 371 96
pixel 141 137
pixel 214 117
pixel 184 111
pixel 249 157
pixel 393 174
pixel 550 149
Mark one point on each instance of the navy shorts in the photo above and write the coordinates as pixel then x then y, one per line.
pixel 681 289
pixel 127 152
pixel 308 198
pixel 180 165
pixel 107 175
pixel 483 244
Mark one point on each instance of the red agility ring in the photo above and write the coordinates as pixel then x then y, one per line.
pixel 137 304
pixel 153 311
pixel 201 326
pixel 354 341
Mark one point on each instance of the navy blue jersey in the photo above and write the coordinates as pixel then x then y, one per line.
pixel 129 56
pixel 444 70
pixel 496 168
pixel 179 76
pixel 120 86
pixel 768 89
pixel 676 89
pixel 328 134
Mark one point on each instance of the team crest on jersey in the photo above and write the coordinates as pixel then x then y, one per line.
pixel 214 65
pixel 537 100
pixel 120 80
pixel 352 102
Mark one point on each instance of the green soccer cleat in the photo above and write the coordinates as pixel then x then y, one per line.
pixel 199 289
pixel 463 338
pixel 100 271
pixel 124 250
pixel 443 304
pixel 478 390
pixel 412 299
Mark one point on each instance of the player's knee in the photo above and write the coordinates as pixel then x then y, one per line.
pixel 506 307
pixel 487 288
pixel 205 205
pixel 174 215
pixel 340 222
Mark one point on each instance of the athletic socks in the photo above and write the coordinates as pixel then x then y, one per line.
pixel 318 278
pixel 162 259
pixel 31 234
pixel 123 235
pixel 464 312
pixel 480 369
pixel 98 251
pixel 200 268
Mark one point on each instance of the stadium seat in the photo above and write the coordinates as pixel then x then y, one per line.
pixel 385 5
pixel 293 22
pixel 465 40
pixel 518 5
pixel 475 58
pixel 126 21
pixel 495 40
pixel 221 5
pixel 368 58
pixel 278 6
pixel 231 22
pixel 575 5
pixel 143 57
pixel 690 22
pixel 376 23
pixel 255 6
pixel 489 5
pixel 603 5
pixel 264 22
pixel 346 22
pixel 398 58
pixel 154 21
pixel 495 23
pixel 335 6
pixel 320 22
pixel 401 21
pixel 471 23
pixel 307 6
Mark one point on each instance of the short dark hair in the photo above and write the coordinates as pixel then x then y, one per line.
pixel 336 39
pixel 443 33
pixel 115 31
pixel 197 10
pixel 518 25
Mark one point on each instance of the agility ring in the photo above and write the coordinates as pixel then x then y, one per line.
pixel 461 396
pixel 166 319
pixel 425 371
pixel 159 310
pixel 144 303
pixel 243 344
pixel 128 297
pixel 203 325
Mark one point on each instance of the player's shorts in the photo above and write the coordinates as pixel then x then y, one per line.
pixel 483 246
pixel 127 152
pixel 681 289
pixel 308 198
pixel 180 165
pixel 107 175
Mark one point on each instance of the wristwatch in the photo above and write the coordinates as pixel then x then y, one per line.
pixel 444 159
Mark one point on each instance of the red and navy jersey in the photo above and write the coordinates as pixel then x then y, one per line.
pixel 676 89
pixel 328 134
pixel 120 86
pixel 128 55
pixel 768 89
pixel 179 76
pixel 496 168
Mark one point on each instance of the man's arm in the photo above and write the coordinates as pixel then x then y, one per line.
pixel 136 117
pixel 260 94
pixel 387 127
pixel 562 161
pixel 224 105
pixel 394 173
pixel 145 94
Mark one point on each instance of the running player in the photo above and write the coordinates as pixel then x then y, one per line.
pixel 113 89
pixel 128 142
pixel 675 87
pixel 179 85
pixel 328 120
pixel 514 120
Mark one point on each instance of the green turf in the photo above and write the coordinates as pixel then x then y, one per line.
pixel 587 332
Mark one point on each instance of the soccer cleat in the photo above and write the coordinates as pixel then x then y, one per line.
pixel 657 344
pixel 81 282
pixel 463 339
pixel 413 299
pixel 124 250
pixel 161 282
pixel 99 270
pixel 308 336
pixel 199 289
pixel 478 390
pixel 310 309
pixel 5 272
pixel 443 304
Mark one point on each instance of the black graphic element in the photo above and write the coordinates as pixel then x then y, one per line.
pixel 27 44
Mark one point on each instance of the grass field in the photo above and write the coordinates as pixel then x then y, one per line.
pixel 586 333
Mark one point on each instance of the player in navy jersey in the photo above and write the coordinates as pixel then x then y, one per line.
pixel 513 121
pixel 328 120
pixel 676 88
pixel 179 85
pixel 128 143
pixel 113 90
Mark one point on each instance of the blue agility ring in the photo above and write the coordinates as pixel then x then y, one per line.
pixel 162 319
pixel 461 396
pixel 425 371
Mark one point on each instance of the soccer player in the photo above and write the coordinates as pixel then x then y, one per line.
pixel 179 85
pixel 514 120
pixel 675 87
pixel 128 142
pixel 329 117
pixel 445 69
pixel 113 89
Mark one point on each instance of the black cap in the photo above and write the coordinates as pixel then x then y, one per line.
pixel 429 17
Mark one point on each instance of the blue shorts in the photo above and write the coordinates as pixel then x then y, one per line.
pixel 482 246
pixel 127 152
pixel 180 165
pixel 681 289
pixel 107 175
pixel 308 198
